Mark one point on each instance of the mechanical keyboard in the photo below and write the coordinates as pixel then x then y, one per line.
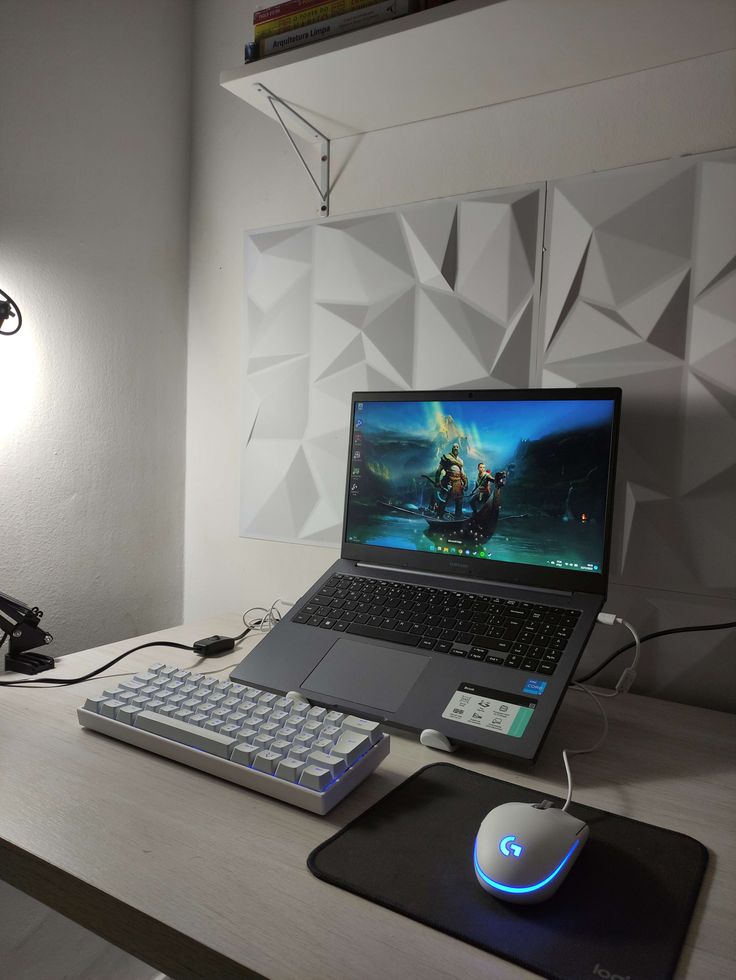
pixel 280 746
pixel 523 635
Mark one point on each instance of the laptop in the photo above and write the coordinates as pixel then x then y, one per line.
pixel 474 561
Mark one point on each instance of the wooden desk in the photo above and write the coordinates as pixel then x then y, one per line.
pixel 202 879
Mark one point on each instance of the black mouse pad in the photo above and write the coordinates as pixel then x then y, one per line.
pixel 623 911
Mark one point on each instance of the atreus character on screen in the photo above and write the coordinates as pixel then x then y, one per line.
pixel 481 492
pixel 451 477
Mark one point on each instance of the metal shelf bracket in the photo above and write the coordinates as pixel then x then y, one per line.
pixel 312 133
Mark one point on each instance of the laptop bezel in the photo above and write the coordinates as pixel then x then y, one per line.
pixel 486 569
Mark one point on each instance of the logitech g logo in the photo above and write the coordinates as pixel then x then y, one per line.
pixel 598 971
pixel 507 848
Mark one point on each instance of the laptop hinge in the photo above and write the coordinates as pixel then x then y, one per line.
pixel 462 578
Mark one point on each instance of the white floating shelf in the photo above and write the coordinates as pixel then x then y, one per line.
pixel 468 54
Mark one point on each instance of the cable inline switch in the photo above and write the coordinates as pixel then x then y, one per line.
pixel 210 646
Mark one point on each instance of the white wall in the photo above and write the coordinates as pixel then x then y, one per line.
pixel 94 183
pixel 94 171
pixel 245 177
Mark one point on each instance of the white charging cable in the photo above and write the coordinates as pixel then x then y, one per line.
pixel 623 684
pixel 270 615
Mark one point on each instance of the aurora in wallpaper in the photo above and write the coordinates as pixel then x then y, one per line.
pixel 518 481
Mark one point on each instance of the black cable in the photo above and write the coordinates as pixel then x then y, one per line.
pixel 650 636
pixel 6 311
pixel 69 681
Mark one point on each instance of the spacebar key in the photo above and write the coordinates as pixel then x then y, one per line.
pixel 393 636
pixel 183 732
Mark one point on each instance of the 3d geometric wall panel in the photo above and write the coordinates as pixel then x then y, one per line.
pixel 639 291
pixel 435 295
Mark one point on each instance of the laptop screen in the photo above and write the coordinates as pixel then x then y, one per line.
pixel 500 478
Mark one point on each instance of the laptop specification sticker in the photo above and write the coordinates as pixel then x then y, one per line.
pixel 493 711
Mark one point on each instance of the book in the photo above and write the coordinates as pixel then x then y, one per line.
pixel 317 10
pixel 351 21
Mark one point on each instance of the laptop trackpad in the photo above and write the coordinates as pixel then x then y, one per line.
pixel 377 677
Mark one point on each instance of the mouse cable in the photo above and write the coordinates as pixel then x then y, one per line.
pixel 51 682
pixel 650 636
pixel 566 753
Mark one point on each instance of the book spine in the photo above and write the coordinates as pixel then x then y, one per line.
pixel 354 20
pixel 321 10
pixel 282 10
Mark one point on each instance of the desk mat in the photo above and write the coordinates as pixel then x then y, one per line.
pixel 623 911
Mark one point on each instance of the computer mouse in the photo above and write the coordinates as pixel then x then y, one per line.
pixel 524 851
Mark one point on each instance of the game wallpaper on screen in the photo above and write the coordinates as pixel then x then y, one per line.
pixel 516 481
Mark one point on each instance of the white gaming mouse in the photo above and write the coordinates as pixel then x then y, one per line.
pixel 524 851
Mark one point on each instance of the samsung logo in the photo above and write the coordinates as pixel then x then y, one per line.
pixel 459 565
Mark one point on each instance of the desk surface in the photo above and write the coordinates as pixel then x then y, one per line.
pixel 202 879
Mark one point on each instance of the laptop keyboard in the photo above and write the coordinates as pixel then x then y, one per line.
pixel 522 635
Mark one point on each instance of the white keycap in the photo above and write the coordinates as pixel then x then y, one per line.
pixel 269 728
pixel 232 731
pixel 280 745
pixel 252 693
pixel 231 702
pixel 155 668
pixel 299 752
pixel 196 678
pixel 150 690
pixel 286 733
pixel 181 675
pixel 198 719
pixel 127 714
pixel 213 725
pixel 153 705
pixel 245 752
pixel 191 703
pixel 237 718
pixel 262 711
pixel 222 713
pixel 237 689
pixel 167 671
pixel 334 717
pixel 315 777
pixel 183 714
pixel 363 727
pixel 350 746
pixel 93 703
pixel 187 734
pixel 284 704
pixel 174 685
pixel 216 698
pixel 279 716
pixel 300 706
pixel 264 741
pixel 113 692
pixel 311 728
pixel 133 685
pixel 333 763
pixel 266 761
pixel 289 769
pixel 296 721
pixel 247 734
pixel 266 698
pixel 305 740
pixel 109 707
pixel 177 699
pixel 330 731
pixel 168 709
pixel 208 682
pixel 322 745
pixel 316 713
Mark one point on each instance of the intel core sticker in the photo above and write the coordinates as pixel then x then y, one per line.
pixel 534 687
pixel 493 711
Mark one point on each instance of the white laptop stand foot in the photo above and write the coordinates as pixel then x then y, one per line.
pixel 436 740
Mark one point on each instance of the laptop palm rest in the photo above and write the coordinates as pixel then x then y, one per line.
pixel 361 673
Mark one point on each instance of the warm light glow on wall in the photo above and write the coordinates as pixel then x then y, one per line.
pixel 19 382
